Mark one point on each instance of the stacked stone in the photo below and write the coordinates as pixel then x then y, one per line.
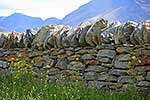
pixel 86 34
pixel 104 66
pixel 122 66
pixel 142 67
pixel 103 55
pixel 98 74
pixel 4 69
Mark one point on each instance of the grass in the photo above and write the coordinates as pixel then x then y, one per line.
pixel 29 88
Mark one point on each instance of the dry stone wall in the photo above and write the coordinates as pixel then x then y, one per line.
pixel 110 67
pixel 105 55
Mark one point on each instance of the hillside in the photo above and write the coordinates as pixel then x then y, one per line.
pixel 126 10
pixel 20 22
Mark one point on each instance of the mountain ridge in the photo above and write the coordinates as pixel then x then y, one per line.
pixel 114 10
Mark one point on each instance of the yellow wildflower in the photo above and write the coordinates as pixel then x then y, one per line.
pixel 21 69
pixel 77 59
pixel 29 66
pixel 32 61
pixel 129 62
pixel 133 57
pixel 139 61
pixel 46 76
pixel 18 71
pixel 48 66
pixel 73 62
pixel 12 58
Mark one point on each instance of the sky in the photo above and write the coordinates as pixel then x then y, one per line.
pixel 40 8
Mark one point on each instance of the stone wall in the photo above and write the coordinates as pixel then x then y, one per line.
pixel 106 55
pixel 110 67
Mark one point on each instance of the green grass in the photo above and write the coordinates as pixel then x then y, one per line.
pixel 29 88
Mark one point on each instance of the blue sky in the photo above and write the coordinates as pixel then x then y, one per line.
pixel 40 8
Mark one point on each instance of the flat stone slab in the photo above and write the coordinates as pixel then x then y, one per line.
pixel 106 53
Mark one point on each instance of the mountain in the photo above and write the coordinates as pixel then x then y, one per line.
pixel 89 10
pixel 20 22
pixel 1 18
pixel 114 10
pixel 52 20
pixel 122 10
